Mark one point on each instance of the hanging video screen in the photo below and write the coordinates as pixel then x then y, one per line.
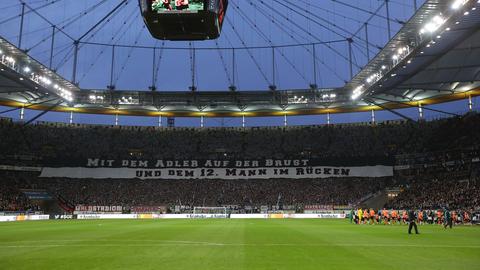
pixel 177 6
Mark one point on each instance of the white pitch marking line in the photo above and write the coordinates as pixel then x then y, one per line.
pixel 189 243
pixel 117 240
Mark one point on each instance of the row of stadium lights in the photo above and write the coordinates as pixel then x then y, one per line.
pixel 127 101
pixel 430 28
pixel 299 100
pixel 122 101
pixel 304 100
pixel 46 82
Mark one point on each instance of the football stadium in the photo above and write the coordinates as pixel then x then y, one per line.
pixel 240 134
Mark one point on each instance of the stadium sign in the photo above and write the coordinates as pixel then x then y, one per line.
pixel 54 216
pixel 98 208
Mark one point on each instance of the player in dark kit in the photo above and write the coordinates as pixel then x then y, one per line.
pixel 412 219
pixel 448 219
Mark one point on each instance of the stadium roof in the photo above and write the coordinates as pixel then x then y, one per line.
pixel 434 58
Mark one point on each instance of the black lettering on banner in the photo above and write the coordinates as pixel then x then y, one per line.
pixel 262 171
pixel 207 172
pixel 230 172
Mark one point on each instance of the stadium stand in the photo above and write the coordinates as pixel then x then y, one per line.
pixel 450 190
pixel 242 193
pixel 429 175
pixel 58 140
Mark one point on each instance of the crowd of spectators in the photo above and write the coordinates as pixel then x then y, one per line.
pixel 436 191
pixel 254 193
pixel 451 190
pixel 11 196
pixel 405 140
pixel 329 142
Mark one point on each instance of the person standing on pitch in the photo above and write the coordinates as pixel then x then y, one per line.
pixel 448 219
pixel 412 219
pixel 360 215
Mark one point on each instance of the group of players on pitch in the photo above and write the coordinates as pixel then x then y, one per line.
pixel 443 217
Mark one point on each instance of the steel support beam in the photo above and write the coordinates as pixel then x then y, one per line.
pixel 390 110
pixel 273 68
pixel 367 43
pixel 52 47
pixel 389 27
pixel 102 20
pixel 153 87
pixel 350 56
pixel 112 69
pixel 28 106
pixel 406 104
pixel 75 60
pixel 314 52
pixel 43 113
pixel 22 19
pixel 233 68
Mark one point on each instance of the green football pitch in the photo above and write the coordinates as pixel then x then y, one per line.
pixel 234 244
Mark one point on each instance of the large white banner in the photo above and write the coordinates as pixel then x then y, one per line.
pixel 219 173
